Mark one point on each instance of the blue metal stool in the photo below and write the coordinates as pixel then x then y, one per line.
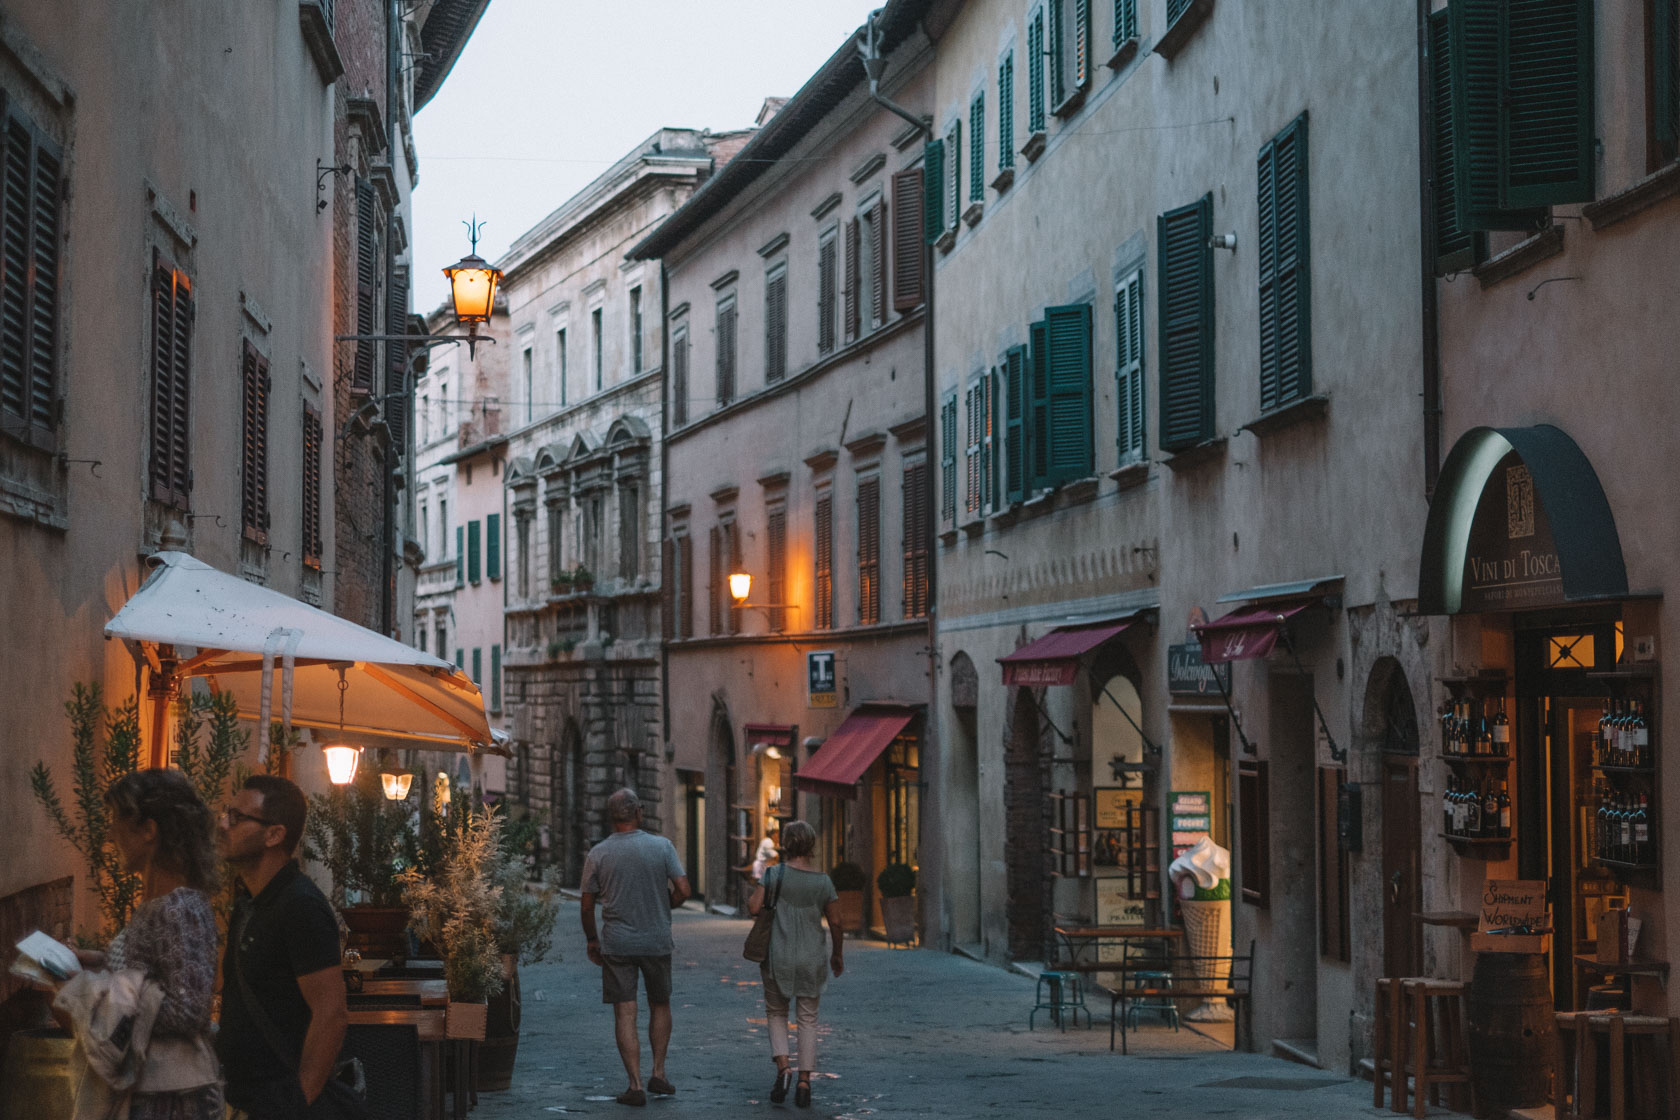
pixel 1166 1008
pixel 1065 992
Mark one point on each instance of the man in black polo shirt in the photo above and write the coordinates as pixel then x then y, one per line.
pixel 283 1004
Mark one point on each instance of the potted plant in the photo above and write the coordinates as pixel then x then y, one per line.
pixel 849 882
pixel 456 907
pixel 561 583
pixel 524 934
pixel 582 578
pixel 897 884
pixel 360 838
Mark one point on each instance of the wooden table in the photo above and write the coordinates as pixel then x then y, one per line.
pixel 1638 966
pixel 1078 939
pixel 432 993
pixel 435 1048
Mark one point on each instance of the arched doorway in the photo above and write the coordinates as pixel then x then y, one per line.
pixel 728 824
pixel 961 807
pixel 567 826
pixel 1390 725
pixel 1024 807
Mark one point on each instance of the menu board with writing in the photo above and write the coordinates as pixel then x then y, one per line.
pixel 1192 819
pixel 1512 905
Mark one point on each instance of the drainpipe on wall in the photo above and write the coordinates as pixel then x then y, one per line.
pixel 387 489
pixel 1429 305
pixel 664 497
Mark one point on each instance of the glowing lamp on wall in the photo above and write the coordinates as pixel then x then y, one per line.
pixel 342 760
pixel 740 586
pixel 472 288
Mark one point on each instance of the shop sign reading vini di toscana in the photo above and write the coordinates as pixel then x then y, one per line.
pixel 1511 562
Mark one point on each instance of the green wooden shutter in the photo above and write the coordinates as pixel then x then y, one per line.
pixel 473 549
pixel 1035 72
pixel 1546 86
pixel 1067 332
pixel 1006 111
pixel 1176 8
pixel 1128 366
pixel 1473 32
pixel 496 678
pixel 1081 42
pixel 953 181
pixel 977 149
pixel 460 658
pixel 948 458
pixel 988 442
pixel 1186 324
pixel 493 546
pixel 478 665
pixel 1285 319
pixel 1038 407
pixel 1058 56
pixel 1125 21
pixel 1665 77
pixel 460 555
pixel 1015 462
pixel 1456 248
pixel 933 189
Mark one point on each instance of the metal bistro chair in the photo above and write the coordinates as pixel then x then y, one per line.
pixel 1060 993
pixel 390 1057
pixel 1149 966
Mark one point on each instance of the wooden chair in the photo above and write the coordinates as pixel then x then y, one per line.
pixel 1437 1050
pixel 1632 1066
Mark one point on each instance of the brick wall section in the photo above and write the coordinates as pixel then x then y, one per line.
pixel 1026 810
pixel 358 490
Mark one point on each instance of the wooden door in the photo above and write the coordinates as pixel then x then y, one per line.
pixel 1401 846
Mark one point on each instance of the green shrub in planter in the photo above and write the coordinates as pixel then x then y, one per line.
pixel 896 880
pixel 848 876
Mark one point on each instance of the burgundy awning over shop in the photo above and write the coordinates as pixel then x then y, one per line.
pixel 844 758
pixel 770 734
pixel 1247 632
pixel 1054 658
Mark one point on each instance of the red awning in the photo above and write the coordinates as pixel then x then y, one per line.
pixel 1054 658
pixel 771 734
pixel 1247 632
pixel 847 754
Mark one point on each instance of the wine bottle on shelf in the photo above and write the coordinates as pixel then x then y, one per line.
pixel 1604 736
pixel 1472 813
pixel 1490 812
pixel 1601 826
pixel 1504 804
pixel 1447 807
pixel 1641 736
pixel 1501 731
pixel 1642 832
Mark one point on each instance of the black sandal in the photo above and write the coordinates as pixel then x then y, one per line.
pixel 784 1081
pixel 802 1094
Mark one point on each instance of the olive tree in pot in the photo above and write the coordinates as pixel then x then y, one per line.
pixel 897 884
pixel 361 839
pixel 456 906
pixel 850 880
pixel 524 934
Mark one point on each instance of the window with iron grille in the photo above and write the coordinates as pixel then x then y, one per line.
pixel 31 192
pixel 869 550
pixel 172 317
pixel 915 539
pixel 253 462
pixel 822 552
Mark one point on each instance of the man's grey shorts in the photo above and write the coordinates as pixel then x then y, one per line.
pixel 618 978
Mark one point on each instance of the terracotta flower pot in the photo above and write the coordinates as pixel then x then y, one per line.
pixel 898 916
pixel 851 911
pixel 466 1020
pixel 501 1032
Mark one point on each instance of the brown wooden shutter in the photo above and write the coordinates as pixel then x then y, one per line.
pixel 685 591
pixel 367 284
pixel 715 580
pixel 670 588
pixel 30 197
pixel 312 491
pixel 853 245
pixel 253 491
pixel 869 551
pixel 172 313
pixel 775 578
pixel 775 328
pixel 1334 919
pixel 726 352
pixel 907 240
pixel 1254 844
pixel 915 541
pixel 396 361
pixel 732 537
pixel 878 261
pixel 679 379
pixel 823 555
pixel 825 297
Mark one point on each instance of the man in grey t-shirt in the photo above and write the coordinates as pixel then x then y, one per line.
pixel 639 881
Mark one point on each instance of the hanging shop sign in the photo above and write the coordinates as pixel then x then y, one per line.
pixel 1513 917
pixel 1191 814
pixel 820 687
pixel 1189 675
pixel 1511 561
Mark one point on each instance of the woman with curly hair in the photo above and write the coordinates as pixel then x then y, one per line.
pixel 164 833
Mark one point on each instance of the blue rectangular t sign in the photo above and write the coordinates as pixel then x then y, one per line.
pixel 819 673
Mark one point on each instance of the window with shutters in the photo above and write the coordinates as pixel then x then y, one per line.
pixel 977 148
pixel 775 324
pixel 979 414
pixel 1522 90
pixel 636 329
pixel 474 551
pixel 368 268
pixel 716 581
pixel 869 550
pixel 679 582
pixel 1456 248
pixel 31 193
pixel 872 267
pixel 1035 72
pixel 1016 429
pixel 1128 367
pixel 1125 22
pixel 849 293
pixel 597 360
pixel 1662 34
pixel 593 510
pixel 560 370
pixel 1059 409
pixel 915 539
pixel 726 349
pixel 736 563
pixel 555 515
pixel 679 374
pixel 170 472
pixel 953 185
pixel 460 555
pixel 1285 273
pixel 1184 320
pixel 907 238
pixel 948 460
pixel 1184 18
pixel 397 405
pixel 1070 22
pixel 933 196
pixel 828 287
pixel 775 564
pixel 493 546
pixel 253 461
pixel 822 561
pixel 311 488
pixel 522 533
pixel 629 530
pixel 478 666
pixel 495 678
pixel 1006 111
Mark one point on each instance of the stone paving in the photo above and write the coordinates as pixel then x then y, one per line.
pixel 904 1033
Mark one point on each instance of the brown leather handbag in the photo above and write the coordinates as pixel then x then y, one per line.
pixel 757 948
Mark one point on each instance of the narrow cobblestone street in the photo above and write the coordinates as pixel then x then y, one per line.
pixel 904 1033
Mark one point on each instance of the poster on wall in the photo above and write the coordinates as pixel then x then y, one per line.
pixel 1115 909
pixel 1108 822
pixel 1191 813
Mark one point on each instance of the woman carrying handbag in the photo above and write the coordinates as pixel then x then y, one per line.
pixel 799 962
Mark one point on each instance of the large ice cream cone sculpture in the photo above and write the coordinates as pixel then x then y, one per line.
pixel 1207 925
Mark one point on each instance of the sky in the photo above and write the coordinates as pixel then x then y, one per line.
pixel 550 93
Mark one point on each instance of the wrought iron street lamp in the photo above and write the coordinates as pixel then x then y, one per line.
pixel 472 287
pixel 342 758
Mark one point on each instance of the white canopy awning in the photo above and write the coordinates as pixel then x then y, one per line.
pixel 190 619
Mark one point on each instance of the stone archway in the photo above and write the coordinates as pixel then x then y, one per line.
pixel 723 795
pixel 1389 729
pixel 961 806
pixel 1024 807
pixel 568 826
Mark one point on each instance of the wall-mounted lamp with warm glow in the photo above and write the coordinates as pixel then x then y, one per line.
pixel 740 586
pixel 472 288
pixel 341 757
